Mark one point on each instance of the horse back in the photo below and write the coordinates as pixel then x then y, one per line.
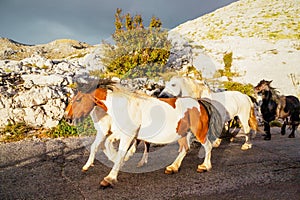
pixel 292 105
pixel 216 123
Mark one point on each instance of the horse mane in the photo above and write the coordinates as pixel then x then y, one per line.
pixel 124 91
pixel 87 84
pixel 275 93
pixel 106 83
pixel 196 83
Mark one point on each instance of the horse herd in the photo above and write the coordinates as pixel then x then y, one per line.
pixel 184 107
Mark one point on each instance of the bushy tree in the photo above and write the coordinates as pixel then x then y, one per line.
pixel 137 51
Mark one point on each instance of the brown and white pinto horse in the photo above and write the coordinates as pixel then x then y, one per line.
pixel 129 116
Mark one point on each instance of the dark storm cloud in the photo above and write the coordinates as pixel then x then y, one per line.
pixel 42 21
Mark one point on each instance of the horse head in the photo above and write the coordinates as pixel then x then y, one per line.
pixel 82 104
pixel 184 86
pixel 172 88
pixel 263 85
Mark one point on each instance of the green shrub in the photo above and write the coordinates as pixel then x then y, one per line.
pixel 63 129
pixel 21 130
pixel 235 86
pixel 15 132
pixel 137 51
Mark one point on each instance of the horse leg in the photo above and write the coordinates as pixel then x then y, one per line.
pixel 131 150
pixel 244 121
pixel 109 149
pixel 292 135
pixel 144 159
pixel 184 143
pixel 94 148
pixel 102 127
pixel 267 131
pixel 284 126
pixel 217 142
pixel 206 165
pixel 111 178
pixel 295 118
pixel 295 125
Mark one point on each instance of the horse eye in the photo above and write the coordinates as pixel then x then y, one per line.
pixel 173 85
pixel 78 100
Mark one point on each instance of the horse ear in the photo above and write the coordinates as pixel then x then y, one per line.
pixel 270 81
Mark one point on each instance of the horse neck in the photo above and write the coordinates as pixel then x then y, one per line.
pixel 267 96
pixel 99 95
pixel 206 93
pixel 196 89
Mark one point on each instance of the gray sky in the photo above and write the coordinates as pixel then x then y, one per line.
pixel 90 21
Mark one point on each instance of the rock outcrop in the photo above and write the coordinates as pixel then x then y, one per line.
pixel 36 89
pixel 263 36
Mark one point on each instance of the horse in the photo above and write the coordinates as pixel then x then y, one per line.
pixel 275 106
pixel 130 116
pixel 229 103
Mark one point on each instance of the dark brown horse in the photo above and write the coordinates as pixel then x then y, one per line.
pixel 278 106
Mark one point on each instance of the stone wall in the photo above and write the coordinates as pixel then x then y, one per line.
pixel 35 90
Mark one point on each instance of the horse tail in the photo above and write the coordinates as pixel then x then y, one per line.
pixel 215 120
pixel 252 120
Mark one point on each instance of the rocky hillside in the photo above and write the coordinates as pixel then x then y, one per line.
pixel 36 81
pixel 264 36
pixel 58 49
pixel 265 19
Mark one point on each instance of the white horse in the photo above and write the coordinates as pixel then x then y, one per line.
pixel 229 103
pixel 131 116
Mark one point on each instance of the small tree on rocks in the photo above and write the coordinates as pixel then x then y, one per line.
pixel 137 51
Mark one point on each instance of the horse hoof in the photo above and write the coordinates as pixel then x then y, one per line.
pixel 105 184
pixel 84 169
pixel 291 136
pixel 140 165
pixel 246 147
pixel 267 138
pixel 217 143
pixel 201 169
pixel 170 170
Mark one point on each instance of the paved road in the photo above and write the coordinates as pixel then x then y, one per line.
pixel 51 169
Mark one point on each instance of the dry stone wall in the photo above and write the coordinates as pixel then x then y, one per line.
pixel 35 90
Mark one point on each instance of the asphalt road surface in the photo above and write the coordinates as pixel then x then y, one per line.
pixel 51 169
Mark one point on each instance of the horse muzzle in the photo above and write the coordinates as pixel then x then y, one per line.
pixel 74 122
pixel 165 95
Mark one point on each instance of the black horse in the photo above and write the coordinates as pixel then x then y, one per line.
pixel 276 106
